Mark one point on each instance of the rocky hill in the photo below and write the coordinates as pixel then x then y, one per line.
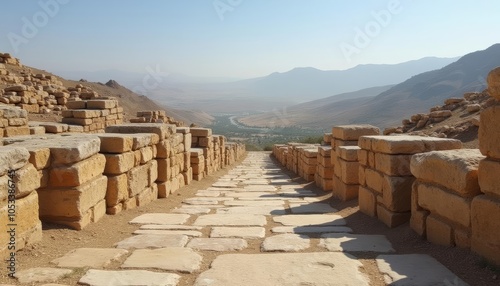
pixel 49 107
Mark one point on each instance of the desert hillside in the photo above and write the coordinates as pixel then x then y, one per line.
pixel 130 101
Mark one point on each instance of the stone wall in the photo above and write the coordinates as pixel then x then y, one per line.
pixel 93 115
pixel 385 176
pixel 155 116
pixel 18 197
pixel 345 159
pixel 324 168
pixel 307 162
pixel 13 121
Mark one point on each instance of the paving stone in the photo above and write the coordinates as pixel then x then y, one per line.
pixel 153 241
pixel 224 185
pixel 311 208
pixel 95 277
pixel 89 257
pixel 253 195
pixel 41 274
pixel 231 220
pixel 241 232
pixel 192 233
pixel 170 258
pixel 322 268
pixel 316 220
pixel 208 193
pixel 218 244
pixel 191 210
pixel 170 227
pixel 254 203
pixel 286 242
pixel 355 242
pixel 160 218
pixel 311 229
pixel 200 201
pixel 259 188
pixel 261 210
pixel 415 269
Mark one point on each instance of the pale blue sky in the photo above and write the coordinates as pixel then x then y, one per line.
pixel 250 38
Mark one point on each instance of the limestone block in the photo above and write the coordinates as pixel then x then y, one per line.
pixel 397 193
pixel 98 211
pixel 349 172
pixel 417 222
pixel 71 203
pixel 78 173
pixel 342 191
pixel 392 219
pixel 367 201
pixel 374 180
pixel 86 113
pixel 201 132
pixel 489 132
pixel 439 232
pixel 26 180
pixel 71 149
pixel 485 216
pixel 115 143
pixel 163 169
pixel 12 158
pixel 39 157
pixel 456 170
pixel 161 129
pixel 164 189
pixel 393 165
pixel 362 175
pixel 76 104
pixel 494 83
pixel 353 132
pixel 348 153
pixel 146 154
pixel 406 144
pixel 152 172
pixel 363 157
pixel 138 179
pixel 119 163
pixel 117 190
pixel 444 204
pixel 16 131
pixel 101 104
pixel 488 180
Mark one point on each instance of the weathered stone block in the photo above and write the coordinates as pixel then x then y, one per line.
pixel 374 180
pixel 493 80
pixel 353 132
pixel 342 191
pixel 78 173
pixel 444 204
pixel 71 203
pixel 115 143
pixel 71 149
pixel 119 163
pixel 161 129
pixel 348 153
pixel 439 232
pixel 76 104
pixel 138 179
pixel 98 211
pixel 163 170
pixel 392 219
pixel 16 131
pixel 397 193
pixel 349 172
pixel 393 165
pixel 146 154
pixel 201 132
pixel 367 201
pixel 117 190
pixel 101 104
pixel 407 144
pixel 487 175
pixel 417 222
pixel 39 157
pixel 26 180
pixel 485 216
pixel 456 170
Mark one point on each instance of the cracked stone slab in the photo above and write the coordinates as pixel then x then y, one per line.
pixel 224 185
pixel 239 232
pixel 89 257
pixel 312 219
pixel 153 241
pixel 218 244
pixel 355 242
pixel 95 277
pixel 415 269
pixel 231 220
pixel 311 229
pixel 260 210
pixel 180 259
pixel 286 242
pixel 160 218
pixel 254 203
pixel 311 208
pixel 170 227
pixel 189 233
pixel 41 274
pixel 320 268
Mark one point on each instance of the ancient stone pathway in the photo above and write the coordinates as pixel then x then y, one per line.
pixel 301 238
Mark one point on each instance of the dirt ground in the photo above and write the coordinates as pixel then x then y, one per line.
pixel 58 240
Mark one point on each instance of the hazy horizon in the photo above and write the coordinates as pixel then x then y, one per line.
pixel 239 38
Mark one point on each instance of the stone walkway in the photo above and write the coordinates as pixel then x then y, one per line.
pixel 302 241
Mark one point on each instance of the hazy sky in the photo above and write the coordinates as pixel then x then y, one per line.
pixel 241 38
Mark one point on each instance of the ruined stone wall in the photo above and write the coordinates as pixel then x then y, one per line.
pixel 13 121
pixel 385 176
pixel 155 116
pixel 93 115
pixel 19 222
pixel 344 156
pixel 324 168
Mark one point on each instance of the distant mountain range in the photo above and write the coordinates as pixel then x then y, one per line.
pixel 416 94
pixel 222 95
